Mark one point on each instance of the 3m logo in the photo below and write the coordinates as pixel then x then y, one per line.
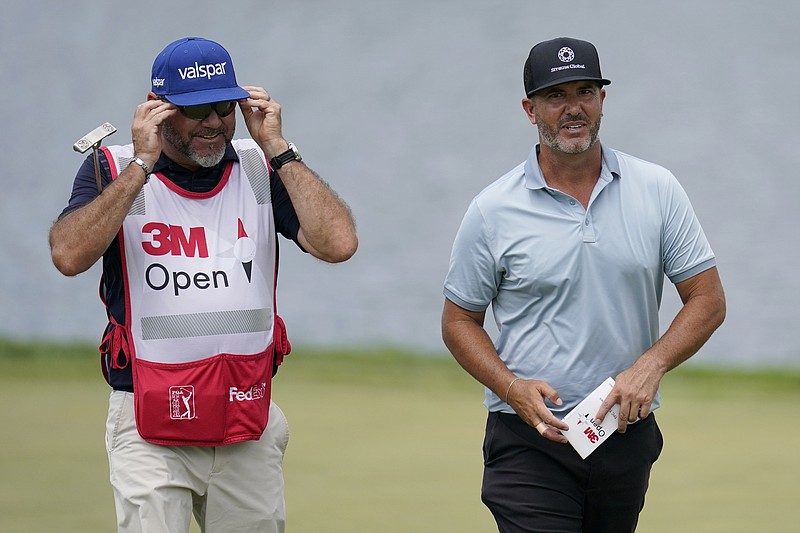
pixel 594 431
pixel 168 239
pixel 591 435
pixel 181 402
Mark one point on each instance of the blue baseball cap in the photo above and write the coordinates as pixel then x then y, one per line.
pixel 193 71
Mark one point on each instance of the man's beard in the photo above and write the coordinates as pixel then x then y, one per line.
pixel 549 135
pixel 185 147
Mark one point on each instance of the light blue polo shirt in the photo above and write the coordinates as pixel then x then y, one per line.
pixel 575 293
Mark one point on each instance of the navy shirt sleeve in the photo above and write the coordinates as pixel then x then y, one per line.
pixel 84 188
pixel 286 221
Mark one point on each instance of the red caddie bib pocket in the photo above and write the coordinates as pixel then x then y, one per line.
pixel 248 395
pixel 177 402
pixel 211 402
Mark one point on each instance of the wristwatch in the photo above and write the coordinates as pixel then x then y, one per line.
pixel 286 157
pixel 147 172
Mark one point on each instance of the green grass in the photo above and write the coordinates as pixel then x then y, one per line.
pixel 387 442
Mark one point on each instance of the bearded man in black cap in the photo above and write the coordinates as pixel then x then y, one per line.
pixel 571 248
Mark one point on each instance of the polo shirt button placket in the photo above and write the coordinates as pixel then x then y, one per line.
pixel 588 230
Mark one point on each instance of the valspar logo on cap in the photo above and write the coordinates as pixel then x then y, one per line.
pixel 201 71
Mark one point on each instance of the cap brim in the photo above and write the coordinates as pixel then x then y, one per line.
pixel 208 96
pixel 567 79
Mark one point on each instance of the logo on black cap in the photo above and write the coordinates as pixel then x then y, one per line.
pixel 566 54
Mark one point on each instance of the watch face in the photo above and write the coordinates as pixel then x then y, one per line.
pixel 293 148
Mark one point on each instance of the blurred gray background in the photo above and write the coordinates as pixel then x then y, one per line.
pixel 409 108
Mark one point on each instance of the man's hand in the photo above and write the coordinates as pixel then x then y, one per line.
pixel 702 312
pixel 262 115
pixel 634 390
pixel 527 397
pixel 146 128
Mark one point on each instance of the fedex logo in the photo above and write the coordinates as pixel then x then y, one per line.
pixel 256 392
pixel 162 239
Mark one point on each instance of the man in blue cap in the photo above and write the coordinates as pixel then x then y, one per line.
pixel 570 249
pixel 186 225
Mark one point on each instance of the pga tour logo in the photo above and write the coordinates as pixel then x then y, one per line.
pixel 181 402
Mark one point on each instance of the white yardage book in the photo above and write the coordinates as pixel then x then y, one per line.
pixel 584 433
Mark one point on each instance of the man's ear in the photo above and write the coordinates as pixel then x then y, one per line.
pixel 529 107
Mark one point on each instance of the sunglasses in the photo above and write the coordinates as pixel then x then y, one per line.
pixel 201 112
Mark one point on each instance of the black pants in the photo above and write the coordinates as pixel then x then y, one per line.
pixel 533 485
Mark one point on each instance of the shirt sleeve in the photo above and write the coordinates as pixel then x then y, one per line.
pixel 687 252
pixel 84 188
pixel 474 276
pixel 286 221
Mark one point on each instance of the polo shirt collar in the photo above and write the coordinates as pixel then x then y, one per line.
pixel 535 180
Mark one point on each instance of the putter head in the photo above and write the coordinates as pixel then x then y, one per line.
pixel 93 137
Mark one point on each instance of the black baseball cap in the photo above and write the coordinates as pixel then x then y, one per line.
pixel 559 61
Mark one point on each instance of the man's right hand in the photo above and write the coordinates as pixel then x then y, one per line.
pixel 526 397
pixel 146 128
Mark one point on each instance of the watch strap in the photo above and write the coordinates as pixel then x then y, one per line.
pixel 283 158
pixel 147 172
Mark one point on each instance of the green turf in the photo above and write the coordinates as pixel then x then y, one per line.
pixel 368 453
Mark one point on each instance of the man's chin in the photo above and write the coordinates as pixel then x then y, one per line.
pixel 208 160
pixel 575 146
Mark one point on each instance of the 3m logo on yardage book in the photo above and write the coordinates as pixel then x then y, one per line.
pixel 593 430
pixel 161 239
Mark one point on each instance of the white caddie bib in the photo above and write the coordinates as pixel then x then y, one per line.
pixel 200 303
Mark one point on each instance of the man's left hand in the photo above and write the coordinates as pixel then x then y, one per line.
pixel 634 390
pixel 262 115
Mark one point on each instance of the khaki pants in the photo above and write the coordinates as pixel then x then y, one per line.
pixel 238 487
